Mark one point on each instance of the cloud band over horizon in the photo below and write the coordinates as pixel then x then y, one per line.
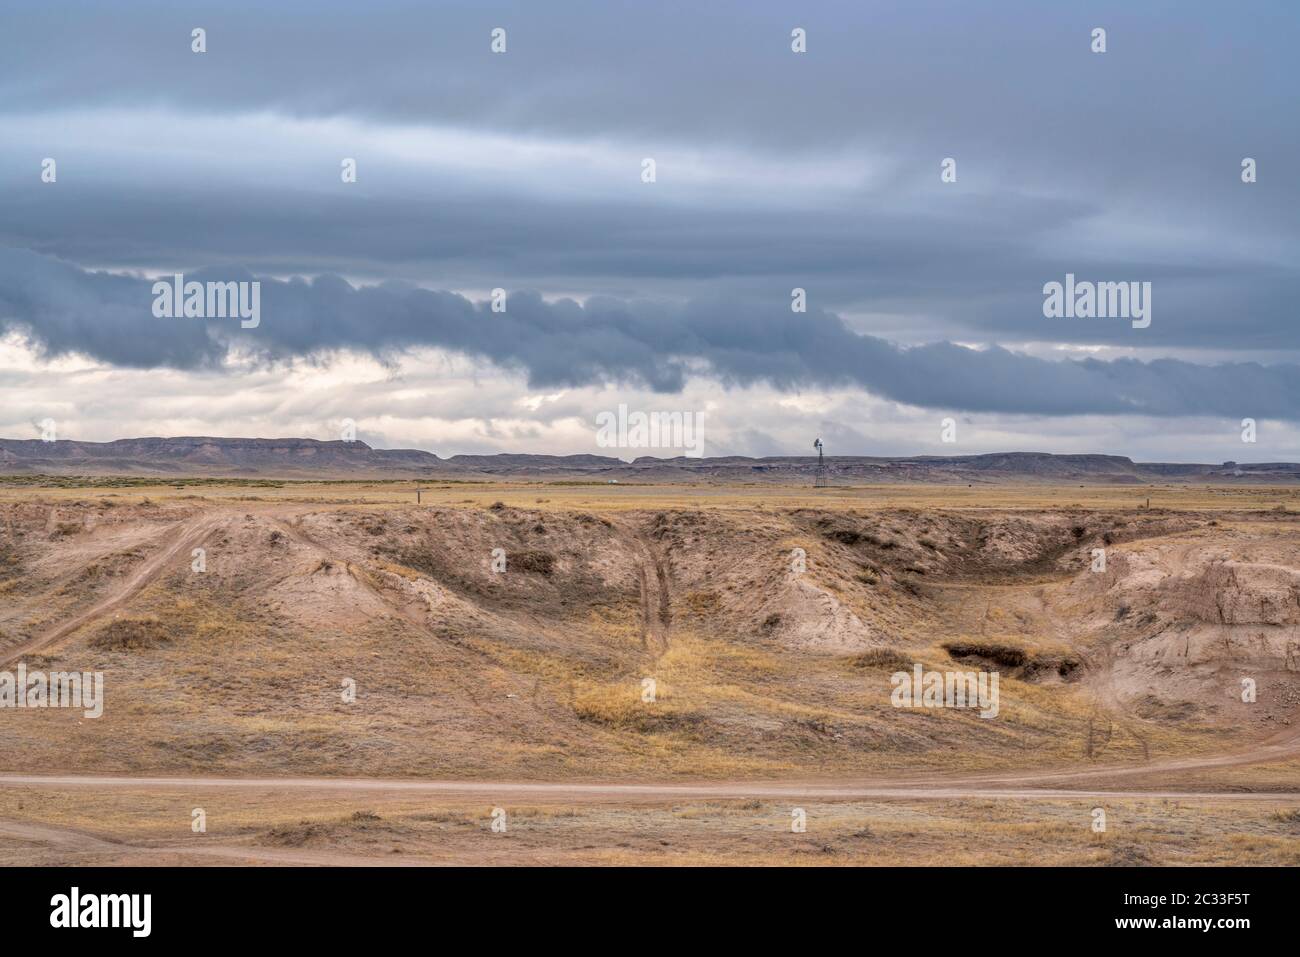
pixel 605 341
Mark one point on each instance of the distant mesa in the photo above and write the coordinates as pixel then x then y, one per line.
pixel 293 458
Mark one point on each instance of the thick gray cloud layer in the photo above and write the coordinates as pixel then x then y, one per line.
pixel 776 170
pixel 1116 166
pixel 63 309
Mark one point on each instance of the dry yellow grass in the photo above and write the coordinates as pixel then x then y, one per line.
pixel 260 826
pixel 613 498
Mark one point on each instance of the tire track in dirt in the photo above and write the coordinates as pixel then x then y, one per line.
pixel 68 837
pixel 1020 786
pixel 1107 702
pixel 656 595
pixel 178 539
pixel 77 841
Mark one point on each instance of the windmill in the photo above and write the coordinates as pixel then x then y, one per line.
pixel 819 481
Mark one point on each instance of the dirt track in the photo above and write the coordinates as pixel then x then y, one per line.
pixel 79 842
pixel 72 844
pixel 578 793
pixel 177 540
pixel 1020 785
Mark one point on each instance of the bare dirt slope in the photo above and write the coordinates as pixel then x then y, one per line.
pixel 769 637
pixel 695 668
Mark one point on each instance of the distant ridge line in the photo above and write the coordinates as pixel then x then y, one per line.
pixel 300 458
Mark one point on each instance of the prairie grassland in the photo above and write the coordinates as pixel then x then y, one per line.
pixel 622 497
pixel 262 826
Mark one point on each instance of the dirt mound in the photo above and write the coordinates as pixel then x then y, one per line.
pixel 359 826
pixel 748 577
pixel 908 542
pixel 485 641
pixel 131 634
pixel 505 558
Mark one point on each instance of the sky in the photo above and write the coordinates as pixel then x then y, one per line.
pixel 774 170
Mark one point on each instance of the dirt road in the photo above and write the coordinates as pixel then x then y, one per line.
pixel 176 542
pixel 74 841
pixel 1031 786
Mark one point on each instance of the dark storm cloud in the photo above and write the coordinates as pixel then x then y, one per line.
pixel 1178 75
pixel 1114 167
pixel 973 270
pixel 461 240
pixel 564 344
pixel 68 310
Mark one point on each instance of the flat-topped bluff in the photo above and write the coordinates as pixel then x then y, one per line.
pixel 189 455
pixel 301 458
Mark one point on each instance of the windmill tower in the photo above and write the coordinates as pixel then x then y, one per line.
pixel 819 481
